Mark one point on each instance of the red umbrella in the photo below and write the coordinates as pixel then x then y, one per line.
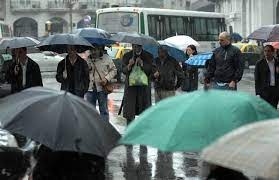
pixel 275 45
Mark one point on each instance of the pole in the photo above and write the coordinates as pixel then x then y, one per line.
pixel 71 16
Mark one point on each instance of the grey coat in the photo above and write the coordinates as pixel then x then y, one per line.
pixel 136 98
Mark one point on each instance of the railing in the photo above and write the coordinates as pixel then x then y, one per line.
pixel 25 5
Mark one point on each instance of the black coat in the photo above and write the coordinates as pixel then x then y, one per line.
pixel 226 65
pixel 171 74
pixel 33 76
pixel 77 81
pixel 136 98
pixel 262 76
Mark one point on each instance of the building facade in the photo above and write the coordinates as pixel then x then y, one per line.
pixel 244 16
pixel 177 4
pixel 2 9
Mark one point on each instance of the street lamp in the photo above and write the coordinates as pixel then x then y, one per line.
pixel 70 4
pixel 48 25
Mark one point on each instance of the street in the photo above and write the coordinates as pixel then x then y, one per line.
pixel 139 163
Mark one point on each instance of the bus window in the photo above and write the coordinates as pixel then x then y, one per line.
pixel 187 26
pixel 152 26
pixel 180 26
pixel 167 26
pixel 173 27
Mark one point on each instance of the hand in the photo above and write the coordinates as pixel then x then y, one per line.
pixel 232 84
pixel 139 61
pixel 65 74
pixel 16 70
pixel 156 74
pixel 104 82
pixel 131 63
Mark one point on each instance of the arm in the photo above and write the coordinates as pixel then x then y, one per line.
pixel 86 76
pixel 179 74
pixel 257 79
pixel 112 71
pixel 37 72
pixel 210 70
pixel 239 66
pixel 147 65
pixel 59 72
pixel 125 62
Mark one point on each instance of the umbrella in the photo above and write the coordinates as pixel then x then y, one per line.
pixel 275 45
pixel 58 43
pixel 251 149
pixel 199 59
pixel 134 38
pixel 182 41
pixel 59 120
pixel 192 121
pixel 236 36
pixel 18 42
pixel 266 33
pixel 173 51
pixel 95 36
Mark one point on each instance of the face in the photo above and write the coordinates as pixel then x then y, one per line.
pixel 137 49
pixel 223 41
pixel 268 52
pixel 96 52
pixel 162 53
pixel 71 50
pixel 189 51
pixel 20 53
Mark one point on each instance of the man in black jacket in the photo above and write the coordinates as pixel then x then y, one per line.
pixel 24 72
pixel 226 66
pixel 168 75
pixel 73 73
pixel 267 77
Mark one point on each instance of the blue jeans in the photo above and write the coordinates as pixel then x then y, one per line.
pixel 225 87
pixel 102 97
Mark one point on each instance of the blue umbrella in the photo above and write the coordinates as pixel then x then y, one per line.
pixel 200 59
pixel 268 33
pixel 236 36
pixel 95 36
pixel 173 51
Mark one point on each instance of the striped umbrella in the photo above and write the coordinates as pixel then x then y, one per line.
pixel 199 59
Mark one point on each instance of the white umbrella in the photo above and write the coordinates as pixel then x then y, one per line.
pixel 251 149
pixel 182 41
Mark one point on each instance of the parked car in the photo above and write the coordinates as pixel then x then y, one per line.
pixel 117 53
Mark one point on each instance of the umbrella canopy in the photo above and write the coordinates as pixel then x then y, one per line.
pixel 134 38
pixel 95 36
pixel 182 41
pixel 251 149
pixel 199 59
pixel 58 43
pixel 275 45
pixel 18 42
pixel 59 120
pixel 266 33
pixel 236 36
pixel 192 121
pixel 173 51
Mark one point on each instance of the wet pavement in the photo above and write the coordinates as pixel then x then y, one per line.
pixel 146 163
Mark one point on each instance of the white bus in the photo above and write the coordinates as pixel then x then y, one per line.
pixel 163 23
pixel 5 31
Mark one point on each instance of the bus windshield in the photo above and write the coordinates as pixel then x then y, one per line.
pixel 114 22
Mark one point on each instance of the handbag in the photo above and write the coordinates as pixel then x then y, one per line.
pixel 108 87
pixel 138 77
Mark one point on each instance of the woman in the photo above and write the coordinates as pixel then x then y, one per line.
pixel 191 73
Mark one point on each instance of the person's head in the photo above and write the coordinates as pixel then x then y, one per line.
pixel 162 52
pixel 137 49
pixel 191 50
pixel 224 39
pixel 97 51
pixel 20 53
pixel 269 52
pixel 71 50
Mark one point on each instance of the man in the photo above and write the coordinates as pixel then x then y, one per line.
pixel 267 77
pixel 226 66
pixel 24 72
pixel 168 76
pixel 73 73
pixel 102 71
pixel 136 98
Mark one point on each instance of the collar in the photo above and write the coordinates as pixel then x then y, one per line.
pixel 273 61
pixel 25 62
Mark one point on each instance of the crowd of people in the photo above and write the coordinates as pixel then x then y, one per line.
pixel 88 79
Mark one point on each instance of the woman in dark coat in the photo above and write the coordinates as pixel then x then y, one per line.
pixel 136 98
pixel 191 73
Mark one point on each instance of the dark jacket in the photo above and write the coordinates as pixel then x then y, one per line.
pixel 33 76
pixel 171 74
pixel 190 82
pixel 136 98
pixel 226 65
pixel 262 76
pixel 77 81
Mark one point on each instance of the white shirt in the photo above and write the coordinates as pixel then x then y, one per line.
pixel 271 65
pixel 24 68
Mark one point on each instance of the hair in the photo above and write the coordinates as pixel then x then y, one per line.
pixel 193 47
pixel 270 46
pixel 226 35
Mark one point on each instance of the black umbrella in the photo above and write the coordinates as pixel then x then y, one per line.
pixel 59 120
pixel 18 42
pixel 134 38
pixel 95 36
pixel 59 42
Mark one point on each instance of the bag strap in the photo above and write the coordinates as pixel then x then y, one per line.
pixel 97 71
